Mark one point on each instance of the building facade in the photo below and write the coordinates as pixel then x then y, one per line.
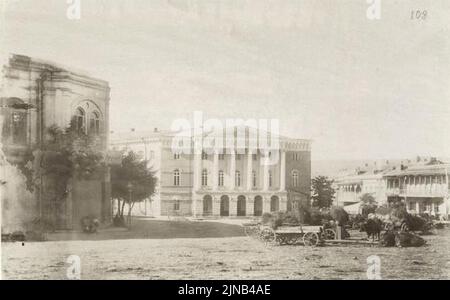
pixel 222 183
pixel 351 188
pixel 421 183
pixel 35 95
pixel 424 188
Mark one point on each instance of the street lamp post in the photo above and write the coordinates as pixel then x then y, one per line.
pixel 130 190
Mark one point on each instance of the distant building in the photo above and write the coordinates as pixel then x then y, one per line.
pixel 351 188
pixel 421 183
pixel 423 188
pixel 231 183
pixel 366 179
pixel 35 95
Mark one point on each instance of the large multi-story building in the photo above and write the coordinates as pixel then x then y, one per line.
pixel 34 96
pixel 421 183
pixel 351 188
pixel 423 188
pixel 225 183
pixel 351 185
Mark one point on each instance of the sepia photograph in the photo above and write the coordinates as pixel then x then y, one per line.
pixel 225 140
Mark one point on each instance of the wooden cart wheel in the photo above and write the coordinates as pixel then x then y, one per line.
pixel 329 234
pixel 268 235
pixel 404 227
pixel 311 239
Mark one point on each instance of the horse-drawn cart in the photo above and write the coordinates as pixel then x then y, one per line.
pixel 289 234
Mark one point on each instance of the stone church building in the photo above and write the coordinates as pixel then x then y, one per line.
pixel 35 95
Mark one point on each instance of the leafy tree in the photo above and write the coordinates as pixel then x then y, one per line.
pixel 322 192
pixel 340 215
pixel 368 204
pixel 131 182
pixel 368 199
pixel 65 154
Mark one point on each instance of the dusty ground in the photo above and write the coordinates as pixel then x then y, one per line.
pixel 229 257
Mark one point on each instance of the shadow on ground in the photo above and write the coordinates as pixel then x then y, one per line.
pixel 156 229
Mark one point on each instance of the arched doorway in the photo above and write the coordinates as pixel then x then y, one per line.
pixel 274 203
pixel 207 205
pixel 258 206
pixel 224 206
pixel 241 206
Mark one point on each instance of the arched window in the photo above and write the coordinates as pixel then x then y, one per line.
pixel 176 177
pixel 94 123
pixel 80 120
pixel 254 179
pixel 220 178
pixel 204 177
pixel 237 178
pixel 294 178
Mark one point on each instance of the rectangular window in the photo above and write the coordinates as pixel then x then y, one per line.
pixel 221 179
pixel 204 178
pixel 238 179
pixel 176 178
pixel 204 155
pixel 176 205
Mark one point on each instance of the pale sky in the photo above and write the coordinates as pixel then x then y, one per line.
pixel 359 88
